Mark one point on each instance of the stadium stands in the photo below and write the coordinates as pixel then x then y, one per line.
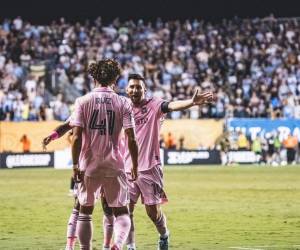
pixel 251 64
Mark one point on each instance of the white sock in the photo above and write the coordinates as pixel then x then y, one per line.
pixel 166 235
pixel 132 245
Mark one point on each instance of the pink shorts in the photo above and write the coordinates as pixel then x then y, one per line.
pixel 98 194
pixel 149 186
pixel 115 190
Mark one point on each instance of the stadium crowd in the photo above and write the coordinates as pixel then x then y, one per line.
pixel 251 64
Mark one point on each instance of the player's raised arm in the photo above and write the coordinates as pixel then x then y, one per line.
pixel 133 150
pixel 197 99
pixel 56 133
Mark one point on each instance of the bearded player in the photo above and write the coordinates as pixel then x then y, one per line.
pixel 148 115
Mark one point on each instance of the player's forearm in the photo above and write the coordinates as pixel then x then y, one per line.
pixel 62 129
pixel 180 105
pixel 134 151
pixel 76 148
pixel 132 146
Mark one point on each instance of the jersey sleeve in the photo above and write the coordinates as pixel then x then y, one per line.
pixel 128 120
pixel 69 118
pixel 76 119
pixel 157 103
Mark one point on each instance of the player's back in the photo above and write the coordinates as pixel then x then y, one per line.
pixel 102 114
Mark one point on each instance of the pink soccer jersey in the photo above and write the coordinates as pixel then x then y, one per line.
pixel 148 119
pixel 102 114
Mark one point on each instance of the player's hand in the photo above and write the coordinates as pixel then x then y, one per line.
pixel 202 98
pixel 45 142
pixel 77 174
pixel 134 174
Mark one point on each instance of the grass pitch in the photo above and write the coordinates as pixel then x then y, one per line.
pixel 209 208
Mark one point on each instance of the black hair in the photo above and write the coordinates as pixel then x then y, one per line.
pixel 105 71
pixel 136 77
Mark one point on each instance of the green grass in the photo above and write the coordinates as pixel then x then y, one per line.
pixel 209 208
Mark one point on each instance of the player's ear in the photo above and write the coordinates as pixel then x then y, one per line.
pixel 127 89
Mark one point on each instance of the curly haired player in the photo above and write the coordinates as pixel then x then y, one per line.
pixel 97 163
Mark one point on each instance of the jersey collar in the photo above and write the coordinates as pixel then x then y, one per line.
pixel 103 89
pixel 142 103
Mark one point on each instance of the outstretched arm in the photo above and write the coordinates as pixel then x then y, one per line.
pixel 197 99
pixel 57 133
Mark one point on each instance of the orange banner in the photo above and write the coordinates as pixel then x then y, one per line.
pixel 195 132
pixel 12 132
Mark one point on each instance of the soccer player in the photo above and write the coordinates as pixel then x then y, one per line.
pixel 97 163
pixel 148 116
pixel 108 218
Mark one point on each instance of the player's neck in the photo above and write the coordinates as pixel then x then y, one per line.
pixel 140 103
pixel 98 85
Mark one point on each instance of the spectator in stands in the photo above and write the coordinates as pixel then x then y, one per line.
pixel 253 64
pixel 26 143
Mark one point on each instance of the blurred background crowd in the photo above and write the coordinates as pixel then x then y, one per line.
pixel 252 65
